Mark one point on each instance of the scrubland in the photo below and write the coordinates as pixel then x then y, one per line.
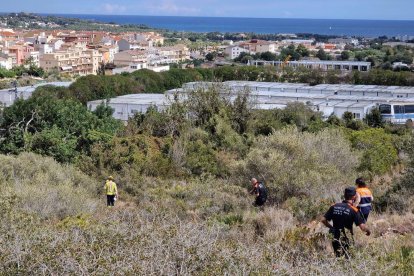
pixel 54 221
pixel 183 176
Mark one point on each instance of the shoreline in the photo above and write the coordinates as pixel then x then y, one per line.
pixel 236 25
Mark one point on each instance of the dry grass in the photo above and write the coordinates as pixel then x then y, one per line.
pixel 194 227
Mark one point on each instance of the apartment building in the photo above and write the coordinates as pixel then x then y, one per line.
pixel 259 46
pixel 125 45
pixel 132 56
pixel 74 61
pixel 22 52
pixel 44 48
pixel 168 55
pixel 234 51
pixel 108 53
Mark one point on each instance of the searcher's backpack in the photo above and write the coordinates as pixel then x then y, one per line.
pixel 262 191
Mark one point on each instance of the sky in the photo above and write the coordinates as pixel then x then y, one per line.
pixel 320 9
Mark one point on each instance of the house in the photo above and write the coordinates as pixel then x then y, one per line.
pixel 132 67
pixel 233 51
pixel 326 46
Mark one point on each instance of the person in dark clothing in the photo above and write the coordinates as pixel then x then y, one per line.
pixel 259 189
pixel 344 215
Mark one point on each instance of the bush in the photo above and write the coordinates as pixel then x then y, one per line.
pixel 45 188
pixel 379 151
pixel 300 164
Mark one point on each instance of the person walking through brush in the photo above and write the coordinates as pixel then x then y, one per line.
pixel 111 191
pixel 258 189
pixel 344 215
pixel 363 199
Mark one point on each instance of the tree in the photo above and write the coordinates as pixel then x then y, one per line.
pixel 53 126
pixel 360 56
pixel 210 56
pixel 374 118
pixel 347 117
pixel 322 55
pixel 379 152
pixel 345 55
pixel 290 51
pixel 302 50
pixel 243 57
pixel 268 56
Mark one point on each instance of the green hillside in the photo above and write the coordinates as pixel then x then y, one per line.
pixel 183 176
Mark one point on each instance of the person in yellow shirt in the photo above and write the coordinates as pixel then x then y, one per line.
pixel 111 191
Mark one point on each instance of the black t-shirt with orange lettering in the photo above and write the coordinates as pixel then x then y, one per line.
pixel 343 215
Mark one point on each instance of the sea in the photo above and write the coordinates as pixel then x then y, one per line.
pixel 342 27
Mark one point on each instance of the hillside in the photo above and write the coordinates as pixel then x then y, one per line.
pixel 54 222
pixel 183 175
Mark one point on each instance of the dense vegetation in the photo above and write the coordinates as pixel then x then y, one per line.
pixel 102 87
pixel 37 21
pixel 380 56
pixel 183 175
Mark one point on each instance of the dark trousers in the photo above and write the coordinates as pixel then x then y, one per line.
pixel 365 217
pixel 341 243
pixel 110 200
pixel 259 201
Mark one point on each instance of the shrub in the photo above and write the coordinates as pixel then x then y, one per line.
pixel 300 164
pixel 377 146
pixel 45 188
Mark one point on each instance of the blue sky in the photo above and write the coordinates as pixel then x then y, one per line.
pixel 336 9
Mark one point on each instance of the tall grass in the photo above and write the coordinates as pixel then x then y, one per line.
pixel 202 226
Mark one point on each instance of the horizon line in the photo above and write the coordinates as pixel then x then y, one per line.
pixel 201 16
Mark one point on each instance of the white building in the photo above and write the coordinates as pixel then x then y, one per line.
pixel 127 106
pixel 35 57
pixel 56 44
pixel 138 66
pixel 234 51
pixel 304 42
pixel 132 67
pixel 8 96
pixel 318 64
pixel 351 41
pixel 325 98
pixel 44 48
pixel 6 62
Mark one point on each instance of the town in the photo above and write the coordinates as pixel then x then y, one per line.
pixel 176 137
pixel 73 53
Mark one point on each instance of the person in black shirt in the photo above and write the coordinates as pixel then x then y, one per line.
pixel 344 215
pixel 259 189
